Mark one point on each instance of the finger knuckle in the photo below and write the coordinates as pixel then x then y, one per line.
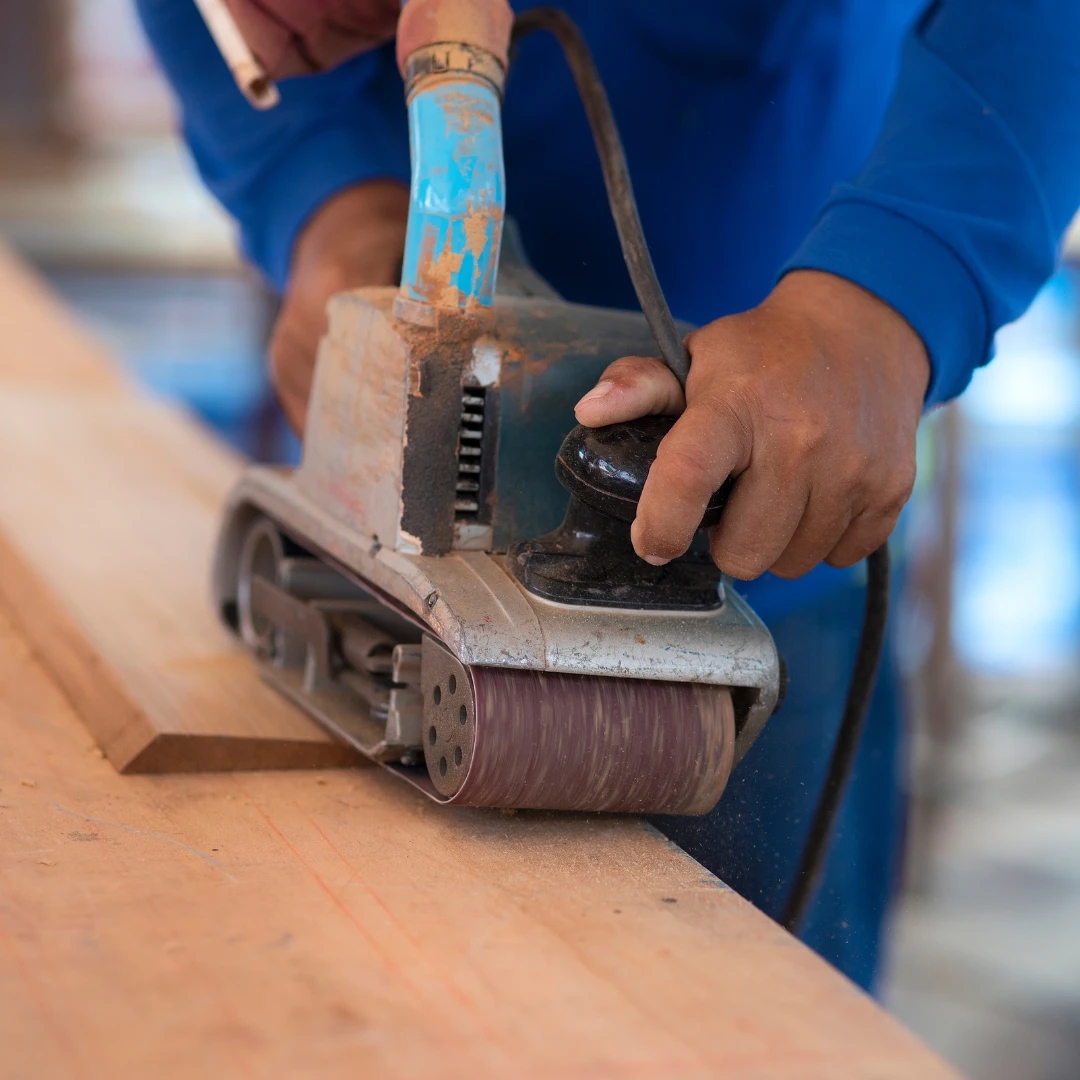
pixel 870 531
pixel 739 562
pixel 893 495
pixel 877 486
pixel 788 568
pixel 668 547
pixel 740 399
pixel 812 436
pixel 853 469
pixel 665 541
pixel 633 368
pixel 803 440
pixel 891 508
pixel 904 481
pixel 744 568
pixel 843 558
pixel 685 474
pixel 730 422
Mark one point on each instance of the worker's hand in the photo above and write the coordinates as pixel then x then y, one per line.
pixel 811 400
pixel 356 238
pixel 298 37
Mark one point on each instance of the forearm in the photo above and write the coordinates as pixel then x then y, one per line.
pixel 956 219
pixel 355 238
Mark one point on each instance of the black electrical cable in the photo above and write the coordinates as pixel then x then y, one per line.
pixel 860 689
pixel 616 178
pixel 658 315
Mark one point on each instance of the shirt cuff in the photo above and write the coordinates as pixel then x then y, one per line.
pixel 913 272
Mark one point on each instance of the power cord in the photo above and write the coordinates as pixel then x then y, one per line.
pixel 860 690
pixel 616 179
pixel 650 296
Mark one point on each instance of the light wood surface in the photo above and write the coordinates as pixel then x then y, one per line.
pixel 336 924
pixel 108 509
pixel 326 924
pixel 41 347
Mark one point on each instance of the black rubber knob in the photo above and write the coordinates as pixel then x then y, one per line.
pixel 606 467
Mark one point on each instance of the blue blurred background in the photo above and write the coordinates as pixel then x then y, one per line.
pixel 985 957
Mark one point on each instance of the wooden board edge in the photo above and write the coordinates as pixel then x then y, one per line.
pixel 178 753
pixel 125 734
pixel 117 725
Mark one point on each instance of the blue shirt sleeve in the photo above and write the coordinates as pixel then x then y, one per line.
pixel 273 169
pixel 957 217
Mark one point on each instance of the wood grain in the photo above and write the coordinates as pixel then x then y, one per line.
pixel 307 924
pixel 337 924
pixel 109 504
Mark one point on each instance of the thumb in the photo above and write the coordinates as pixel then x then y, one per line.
pixel 633 386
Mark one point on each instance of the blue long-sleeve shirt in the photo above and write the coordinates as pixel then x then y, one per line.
pixel 928 152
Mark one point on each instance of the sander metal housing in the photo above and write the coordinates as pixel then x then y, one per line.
pixel 381 536
pixel 402 585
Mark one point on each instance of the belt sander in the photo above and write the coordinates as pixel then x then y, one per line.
pixel 425 584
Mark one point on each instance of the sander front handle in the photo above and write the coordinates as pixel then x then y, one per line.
pixel 453 58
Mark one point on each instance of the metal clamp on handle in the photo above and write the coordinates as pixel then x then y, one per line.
pixel 452 58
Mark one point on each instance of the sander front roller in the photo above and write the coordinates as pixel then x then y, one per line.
pixel 574 742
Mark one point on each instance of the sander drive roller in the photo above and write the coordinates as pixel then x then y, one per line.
pixel 513 738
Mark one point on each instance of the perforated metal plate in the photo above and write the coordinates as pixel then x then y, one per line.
pixel 449 718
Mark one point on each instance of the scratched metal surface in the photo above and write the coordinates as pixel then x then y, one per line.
pixel 540 355
pixel 472 604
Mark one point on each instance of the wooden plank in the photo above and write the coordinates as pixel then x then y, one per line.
pixel 336 924
pixel 325 924
pixel 108 508
pixel 41 346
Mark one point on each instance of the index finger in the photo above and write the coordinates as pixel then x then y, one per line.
pixel 707 445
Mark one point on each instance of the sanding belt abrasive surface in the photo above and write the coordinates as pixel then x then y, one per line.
pixel 582 742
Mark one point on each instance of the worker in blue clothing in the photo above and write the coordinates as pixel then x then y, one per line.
pixel 850 196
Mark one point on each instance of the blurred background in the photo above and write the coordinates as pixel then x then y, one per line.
pixel 97 192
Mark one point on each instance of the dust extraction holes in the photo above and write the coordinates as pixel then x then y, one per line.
pixel 442 766
pixel 453 684
pixel 463 714
pixel 432 735
pixel 437 694
pixel 457 755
